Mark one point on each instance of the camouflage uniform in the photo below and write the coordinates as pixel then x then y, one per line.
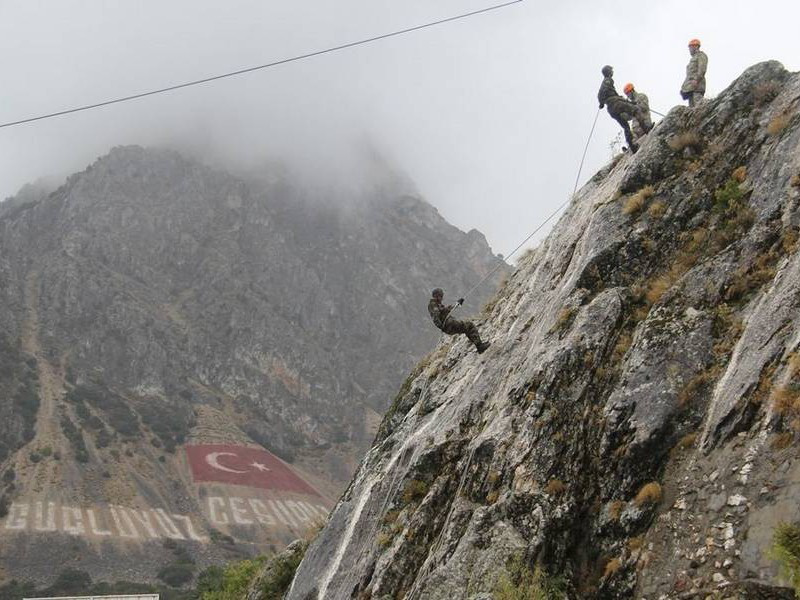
pixel 439 315
pixel 694 86
pixel 643 124
pixel 620 109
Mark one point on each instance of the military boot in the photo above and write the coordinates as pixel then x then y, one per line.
pixel 482 347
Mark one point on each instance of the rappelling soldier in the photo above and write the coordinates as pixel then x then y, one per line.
pixel 644 124
pixel 618 107
pixel 694 86
pixel 440 315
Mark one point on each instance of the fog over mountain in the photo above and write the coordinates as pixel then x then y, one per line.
pixel 192 362
pixel 473 111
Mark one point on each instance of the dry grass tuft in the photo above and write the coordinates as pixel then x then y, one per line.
pixel 384 539
pixel 639 314
pixel 635 204
pixel 564 319
pixel 786 403
pixel 686 139
pixel 649 494
pixel 793 364
pixel 615 510
pixel 687 441
pixel 695 385
pixel 795 181
pixel 656 209
pixel 390 517
pixel 728 329
pixel 492 497
pixel 739 174
pixel 555 487
pixel 781 441
pixel 658 287
pixel 621 348
pixel 612 567
pixel 636 543
pixel 765 387
pixel 694 166
pixel 765 92
pixel 789 239
pixel 751 278
pixel 620 451
pixel 414 491
pixel 778 124
pixel 314 529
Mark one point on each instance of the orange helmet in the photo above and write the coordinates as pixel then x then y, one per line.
pixel 628 88
pixel 694 42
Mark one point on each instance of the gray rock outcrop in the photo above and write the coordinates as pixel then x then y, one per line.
pixel 633 429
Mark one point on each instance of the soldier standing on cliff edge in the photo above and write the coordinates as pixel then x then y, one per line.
pixel 440 315
pixel 694 86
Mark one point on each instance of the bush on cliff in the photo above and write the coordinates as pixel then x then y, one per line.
pixel 231 582
pixel 786 550
pixel 522 583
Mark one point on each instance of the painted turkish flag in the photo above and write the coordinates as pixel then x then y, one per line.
pixel 241 465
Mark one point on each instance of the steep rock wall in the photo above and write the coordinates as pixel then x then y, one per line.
pixel 626 430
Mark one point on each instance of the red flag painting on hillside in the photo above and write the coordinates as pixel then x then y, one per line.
pixel 241 465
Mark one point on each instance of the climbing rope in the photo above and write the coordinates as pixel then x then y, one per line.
pixel 437 544
pixel 543 223
pixel 260 67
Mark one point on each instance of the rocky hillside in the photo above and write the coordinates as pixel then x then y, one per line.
pixel 633 431
pixel 192 363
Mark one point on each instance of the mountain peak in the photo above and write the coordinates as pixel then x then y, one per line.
pixel 192 362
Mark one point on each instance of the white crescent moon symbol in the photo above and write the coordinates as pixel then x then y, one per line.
pixel 213 461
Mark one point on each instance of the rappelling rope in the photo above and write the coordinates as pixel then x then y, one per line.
pixel 437 544
pixel 543 223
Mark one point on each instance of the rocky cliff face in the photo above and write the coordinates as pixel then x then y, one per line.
pixel 191 363
pixel 634 427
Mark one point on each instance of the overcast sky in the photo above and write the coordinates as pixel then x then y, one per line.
pixel 488 116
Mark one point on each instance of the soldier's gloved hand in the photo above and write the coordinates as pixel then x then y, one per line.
pixel 460 301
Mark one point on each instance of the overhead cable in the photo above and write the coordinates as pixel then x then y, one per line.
pixel 259 67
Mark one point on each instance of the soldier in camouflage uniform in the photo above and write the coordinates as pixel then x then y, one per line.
pixel 694 86
pixel 643 125
pixel 440 315
pixel 619 108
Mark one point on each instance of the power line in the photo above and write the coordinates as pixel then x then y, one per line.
pixel 260 67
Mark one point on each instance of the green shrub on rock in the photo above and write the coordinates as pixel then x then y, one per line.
pixel 786 550
pixel 279 572
pixel 230 583
pixel 522 583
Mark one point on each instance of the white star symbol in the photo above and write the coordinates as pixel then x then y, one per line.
pixel 259 466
